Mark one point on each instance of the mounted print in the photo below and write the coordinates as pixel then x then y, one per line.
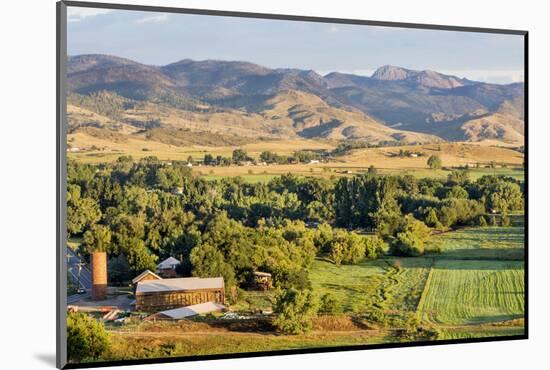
pixel 237 184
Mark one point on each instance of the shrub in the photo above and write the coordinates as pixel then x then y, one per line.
pixel 346 247
pixel 296 310
pixel 505 220
pixel 86 338
pixel 481 221
pixel 434 162
pixel 330 305
pixel 375 247
pixel 410 237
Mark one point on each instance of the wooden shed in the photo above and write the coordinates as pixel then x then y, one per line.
pixel 262 280
pixel 167 294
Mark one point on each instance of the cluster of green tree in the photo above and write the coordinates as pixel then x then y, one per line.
pixel 231 228
pixel 238 156
pixel 346 147
pixel 301 156
pixel 409 153
pixel 399 208
pixel 210 160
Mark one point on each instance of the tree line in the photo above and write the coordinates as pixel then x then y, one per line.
pixel 231 228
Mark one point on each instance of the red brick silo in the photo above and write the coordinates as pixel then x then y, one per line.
pixel 99 275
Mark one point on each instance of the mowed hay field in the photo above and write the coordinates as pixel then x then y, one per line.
pixel 478 278
pixel 473 292
pixel 373 283
pixel 473 288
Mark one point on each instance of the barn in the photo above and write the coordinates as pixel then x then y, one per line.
pixel 167 294
pixel 145 276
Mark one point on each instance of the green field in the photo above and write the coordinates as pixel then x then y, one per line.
pixel 481 243
pixel 373 283
pixel 473 292
pixel 475 173
pixel 450 294
pixel 477 278
pixel 467 290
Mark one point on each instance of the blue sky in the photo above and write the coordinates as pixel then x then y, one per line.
pixel 162 38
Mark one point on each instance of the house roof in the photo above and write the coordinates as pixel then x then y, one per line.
pixel 143 274
pixel 168 263
pixel 179 284
pixel 196 309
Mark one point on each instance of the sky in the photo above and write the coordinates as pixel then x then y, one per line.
pixel 162 38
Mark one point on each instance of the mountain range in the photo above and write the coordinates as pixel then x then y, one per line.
pixel 234 99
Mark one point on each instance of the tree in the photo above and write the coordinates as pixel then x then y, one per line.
pixel 432 220
pixel 86 337
pixel 323 237
pixel 346 247
pixel 98 238
pixel 375 247
pixel 208 261
pixel 336 253
pixel 330 304
pixel 239 155
pixel 434 162
pixel 81 214
pixel 295 311
pixel 119 269
pixel 504 197
pixel 372 170
pixel 410 237
pixel 209 159
pixel 459 177
pixel 139 256
pixel 457 192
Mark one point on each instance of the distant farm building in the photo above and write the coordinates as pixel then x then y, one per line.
pixel 178 190
pixel 167 294
pixel 262 280
pixel 145 276
pixel 167 268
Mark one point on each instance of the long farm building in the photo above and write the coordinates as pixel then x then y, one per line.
pixel 167 294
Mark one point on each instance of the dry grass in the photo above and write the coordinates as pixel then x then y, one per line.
pixel 451 154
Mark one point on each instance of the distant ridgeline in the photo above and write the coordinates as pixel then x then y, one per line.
pixel 250 102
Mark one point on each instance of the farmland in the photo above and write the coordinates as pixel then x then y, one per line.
pixel 315 232
pixel 473 292
pixel 458 298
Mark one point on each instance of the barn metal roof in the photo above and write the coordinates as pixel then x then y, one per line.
pixel 167 285
pixel 196 309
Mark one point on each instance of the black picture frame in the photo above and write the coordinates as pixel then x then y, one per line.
pixel 61 174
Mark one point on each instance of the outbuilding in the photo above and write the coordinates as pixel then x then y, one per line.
pixel 262 280
pixel 167 268
pixel 167 294
pixel 145 276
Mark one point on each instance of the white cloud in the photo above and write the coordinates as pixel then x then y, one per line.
pixel 153 19
pixel 490 75
pixel 333 29
pixel 76 14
